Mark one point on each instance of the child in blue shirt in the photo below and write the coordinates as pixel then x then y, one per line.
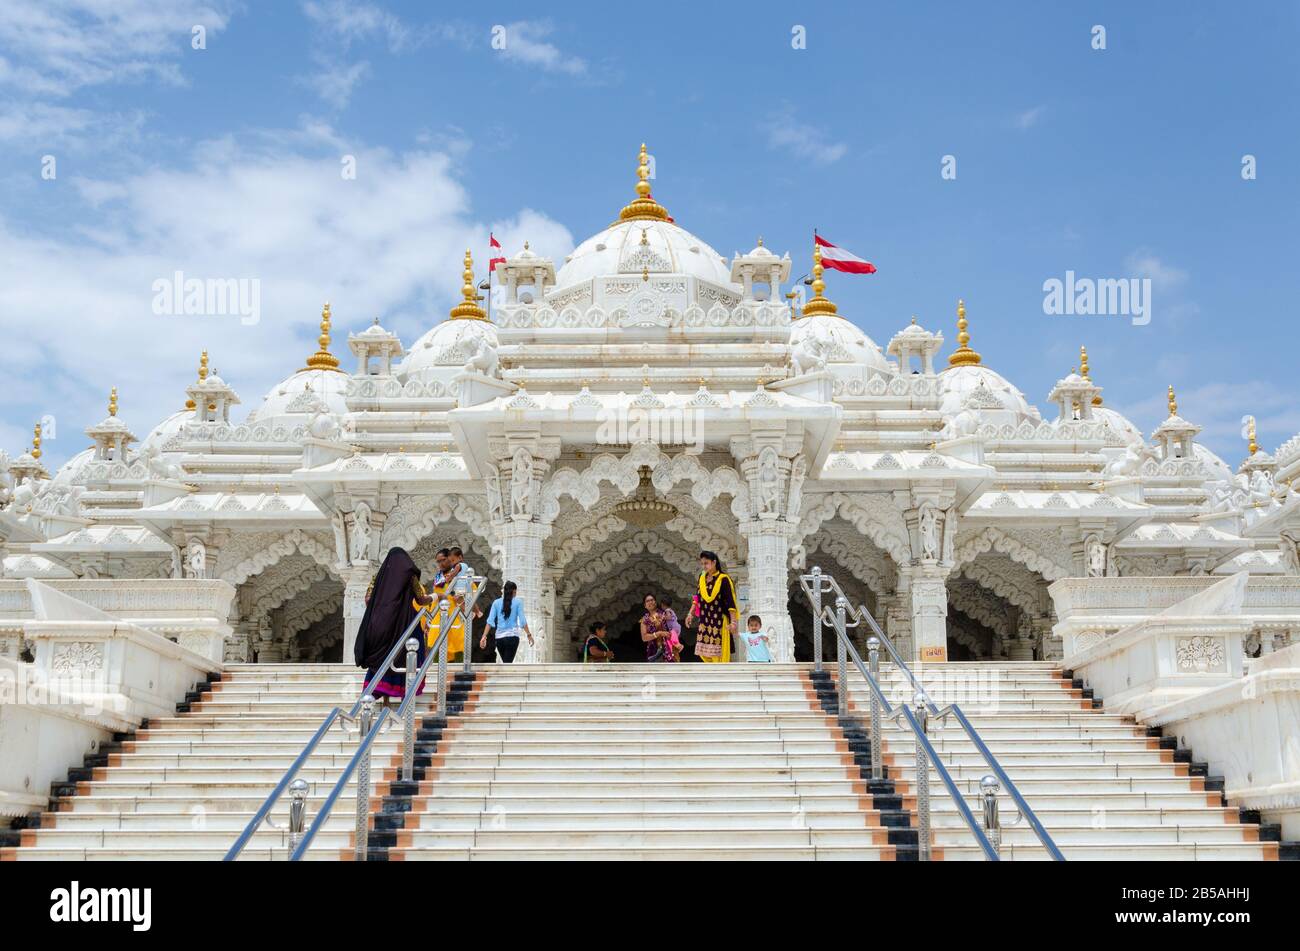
pixel 757 646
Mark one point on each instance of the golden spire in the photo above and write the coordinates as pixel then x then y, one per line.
pixel 1173 402
pixel 203 375
pixel 468 308
pixel 818 304
pixel 112 402
pixel 643 207
pixel 322 359
pixel 1083 372
pixel 963 356
pixel 36 441
pixel 1254 445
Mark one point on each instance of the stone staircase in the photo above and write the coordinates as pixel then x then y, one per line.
pixel 628 761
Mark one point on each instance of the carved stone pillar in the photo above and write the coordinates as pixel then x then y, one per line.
pixel 932 528
pixel 1048 641
pixel 769 582
pixel 356 579
pixel 522 564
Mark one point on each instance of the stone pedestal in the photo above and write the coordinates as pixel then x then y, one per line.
pixel 929 601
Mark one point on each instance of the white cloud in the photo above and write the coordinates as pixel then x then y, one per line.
pixel 802 140
pixel 65 45
pixel 525 43
pixel 351 22
pixel 1029 118
pixel 1144 263
pixel 388 244
pixel 334 82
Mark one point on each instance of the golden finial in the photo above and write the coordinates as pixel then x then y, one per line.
pixel 1254 445
pixel 760 240
pixel 1173 402
pixel 203 375
pixel 112 402
pixel 468 308
pixel 643 207
pixel 818 304
pixel 963 356
pixel 322 359
pixel 36 441
pixel 1083 372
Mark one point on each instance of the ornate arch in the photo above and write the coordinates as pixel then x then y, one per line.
pixel 284 585
pixel 304 612
pixel 614 585
pixel 251 554
pixel 416 516
pixel 876 573
pixel 873 514
pixel 1035 558
pixel 980 604
pixel 603 527
pixel 1012 581
pixel 609 560
pixel 624 473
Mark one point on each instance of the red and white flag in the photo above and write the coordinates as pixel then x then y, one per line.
pixel 837 259
pixel 496 246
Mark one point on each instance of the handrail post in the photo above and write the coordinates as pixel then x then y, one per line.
pixel 408 729
pixel 816 594
pixel 363 781
pixel 989 786
pixel 922 780
pixel 842 632
pixel 464 587
pixel 442 662
pixel 873 658
pixel 297 812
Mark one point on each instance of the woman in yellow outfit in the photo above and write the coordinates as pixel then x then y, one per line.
pixel 715 611
pixel 432 623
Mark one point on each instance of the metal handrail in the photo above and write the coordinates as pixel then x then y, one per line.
pixel 330 718
pixel 812 586
pixel 363 749
pixel 405 712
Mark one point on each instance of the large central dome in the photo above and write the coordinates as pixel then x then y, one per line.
pixel 630 247
pixel 644 240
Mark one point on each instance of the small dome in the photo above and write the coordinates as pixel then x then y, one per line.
pixel 610 252
pixel 977 387
pixel 69 470
pixel 161 434
pixel 842 340
pixel 1120 424
pixel 448 345
pixel 1220 471
pixel 300 394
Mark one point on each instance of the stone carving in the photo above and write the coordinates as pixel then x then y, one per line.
pixel 78 657
pixel 521 486
pixel 196 559
pixel 360 534
pixel 1200 654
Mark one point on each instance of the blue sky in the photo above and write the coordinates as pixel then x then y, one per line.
pixel 224 162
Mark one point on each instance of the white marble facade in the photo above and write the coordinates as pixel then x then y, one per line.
pixel 777 432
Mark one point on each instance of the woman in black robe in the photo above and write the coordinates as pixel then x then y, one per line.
pixel 394 600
